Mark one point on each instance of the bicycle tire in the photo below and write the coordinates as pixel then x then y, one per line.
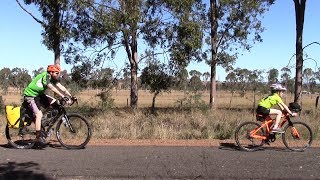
pixel 244 141
pixel 80 136
pixel 294 143
pixel 20 140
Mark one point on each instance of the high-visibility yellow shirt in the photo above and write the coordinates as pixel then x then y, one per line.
pixel 271 100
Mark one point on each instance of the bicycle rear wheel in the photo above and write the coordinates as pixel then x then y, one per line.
pixel 244 140
pixel 74 133
pixel 297 137
pixel 21 138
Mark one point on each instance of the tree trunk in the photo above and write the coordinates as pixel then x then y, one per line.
pixel 214 28
pixel 133 58
pixel 154 101
pixel 300 9
pixel 56 33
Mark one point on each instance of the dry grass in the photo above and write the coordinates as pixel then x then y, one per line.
pixel 169 121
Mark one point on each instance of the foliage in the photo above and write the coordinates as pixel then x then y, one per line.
pixel 244 79
pixel 55 20
pixel 4 76
pixel 105 26
pixel 273 76
pixel 193 101
pixel 107 101
pixel 233 25
pixel 155 77
pixel 181 79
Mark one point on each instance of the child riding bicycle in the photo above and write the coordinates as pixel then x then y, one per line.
pixel 265 106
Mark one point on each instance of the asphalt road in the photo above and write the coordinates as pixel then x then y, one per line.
pixel 158 162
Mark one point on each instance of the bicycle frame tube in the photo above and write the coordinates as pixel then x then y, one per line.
pixel 265 124
pixel 285 118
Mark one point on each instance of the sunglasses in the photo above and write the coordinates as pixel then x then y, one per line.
pixel 57 73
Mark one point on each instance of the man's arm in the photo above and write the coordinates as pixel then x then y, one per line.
pixel 63 89
pixel 55 90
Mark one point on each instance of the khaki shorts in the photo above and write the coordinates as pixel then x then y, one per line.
pixel 38 102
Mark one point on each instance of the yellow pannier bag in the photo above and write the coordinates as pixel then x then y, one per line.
pixel 13 116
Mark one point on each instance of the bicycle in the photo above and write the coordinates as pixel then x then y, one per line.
pixel 72 130
pixel 251 136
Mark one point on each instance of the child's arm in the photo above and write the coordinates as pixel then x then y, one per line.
pixel 284 106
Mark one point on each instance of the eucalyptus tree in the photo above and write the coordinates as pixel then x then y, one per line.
pixel 195 73
pixel 243 77
pixel 206 76
pixel 300 6
pixel 181 79
pixel 19 78
pixel 157 78
pixel 37 71
pixel 308 77
pixel 82 73
pixel 234 25
pixel 108 25
pixel 4 76
pixel 285 75
pixel 255 78
pixel 273 75
pixel 55 22
pixel 102 78
pixel 195 82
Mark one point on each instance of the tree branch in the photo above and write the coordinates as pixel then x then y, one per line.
pixel 36 19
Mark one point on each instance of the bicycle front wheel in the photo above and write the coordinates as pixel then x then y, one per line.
pixel 73 133
pixel 244 140
pixel 21 138
pixel 297 137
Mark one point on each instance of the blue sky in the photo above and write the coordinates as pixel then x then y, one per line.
pixel 21 46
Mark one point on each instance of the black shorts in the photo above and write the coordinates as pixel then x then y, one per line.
pixel 262 110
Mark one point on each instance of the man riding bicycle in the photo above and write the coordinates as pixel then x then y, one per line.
pixel 34 95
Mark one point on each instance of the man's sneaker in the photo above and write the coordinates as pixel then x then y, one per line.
pixel 40 143
pixel 40 139
pixel 277 130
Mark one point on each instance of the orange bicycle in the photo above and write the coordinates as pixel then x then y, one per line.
pixel 251 136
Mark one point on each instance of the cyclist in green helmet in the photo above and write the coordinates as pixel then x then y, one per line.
pixel 265 105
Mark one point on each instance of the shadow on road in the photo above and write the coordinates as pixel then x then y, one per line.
pixel 13 170
pixel 234 147
pixel 229 146
pixel 52 144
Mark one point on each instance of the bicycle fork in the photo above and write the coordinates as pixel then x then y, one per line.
pixel 67 123
pixel 295 133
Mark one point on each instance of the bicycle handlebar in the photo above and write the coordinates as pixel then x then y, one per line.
pixel 64 100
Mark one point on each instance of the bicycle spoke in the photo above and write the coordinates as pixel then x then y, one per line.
pixel 75 133
pixel 21 139
pixel 244 138
pixel 297 137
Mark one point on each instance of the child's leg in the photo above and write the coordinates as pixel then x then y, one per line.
pixel 278 117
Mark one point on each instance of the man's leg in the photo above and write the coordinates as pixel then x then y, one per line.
pixel 38 116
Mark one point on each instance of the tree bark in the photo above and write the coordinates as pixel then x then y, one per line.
pixel 214 28
pixel 133 58
pixel 299 10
